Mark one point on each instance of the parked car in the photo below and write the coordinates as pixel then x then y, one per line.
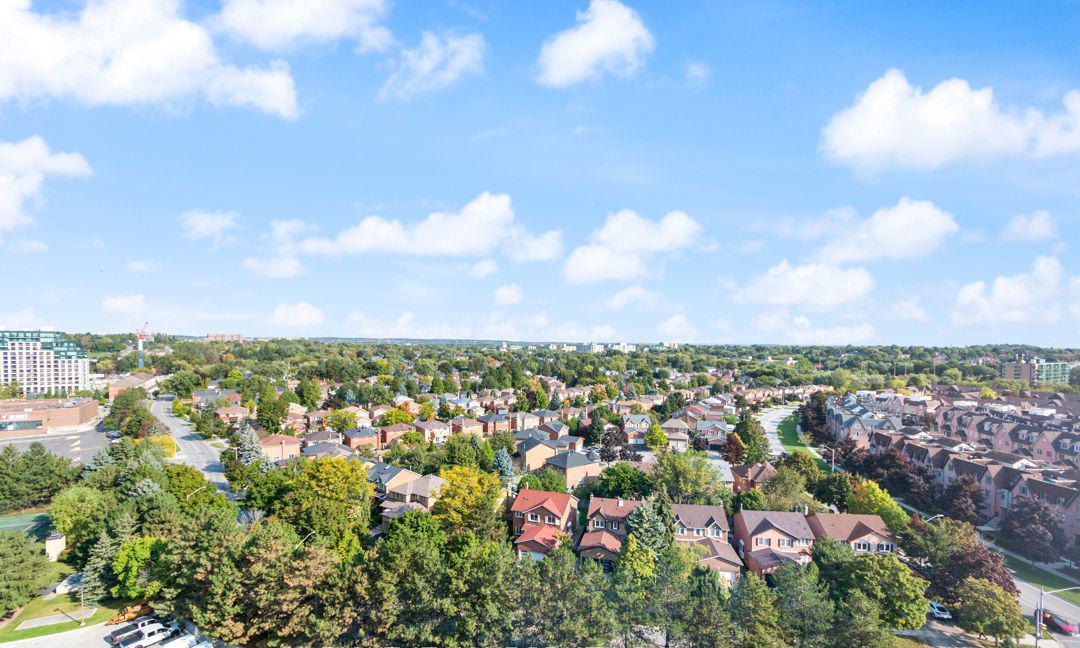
pixel 183 640
pixel 150 635
pixel 1060 625
pixel 939 611
pixel 115 636
pixel 112 434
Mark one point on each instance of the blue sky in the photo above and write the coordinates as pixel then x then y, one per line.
pixel 729 172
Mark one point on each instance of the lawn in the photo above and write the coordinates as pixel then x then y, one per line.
pixel 40 607
pixel 789 438
pixel 1044 579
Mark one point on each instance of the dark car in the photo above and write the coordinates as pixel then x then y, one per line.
pixel 112 434
pixel 1060 625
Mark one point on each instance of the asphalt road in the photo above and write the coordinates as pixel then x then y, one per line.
pixel 78 446
pixel 88 637
pixel 193 450
pixel 770 420
pixel 1029 598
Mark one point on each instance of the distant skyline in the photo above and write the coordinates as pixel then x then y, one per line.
pixel 737 172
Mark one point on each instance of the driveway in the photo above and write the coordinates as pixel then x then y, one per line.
pixel 192 449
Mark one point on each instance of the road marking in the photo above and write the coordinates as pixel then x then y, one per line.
pixel 69 438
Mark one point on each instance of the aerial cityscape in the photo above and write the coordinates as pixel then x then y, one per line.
pixel 577 323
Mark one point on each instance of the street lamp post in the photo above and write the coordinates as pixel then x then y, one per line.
pixel 195 491
pixel 1040 611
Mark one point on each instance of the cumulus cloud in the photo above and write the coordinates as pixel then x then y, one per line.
pixel 908 230
pixel 282 24
pixel 697 73
pixel 632 295
pixel 123 304
pixel 1020 298
pixel 298 315
pixel 508 295
pixel 484 268
pixel 619 249
pixel 216 226
pixel 799 329
pixel 113 52
pixel 22 319
pixel 676 328
pixel 910 309
pixel 1027 228
pixel 484 225
pixel 894 124
pixel 610 38
pixel 814 285
pixel 438 62
pixel 24 165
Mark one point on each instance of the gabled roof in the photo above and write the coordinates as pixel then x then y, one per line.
pixel 542 534
pixel 566 460
pixel 433 424
pixel 675 423
pixel 600 540
pixel 361 433
pixel 428 485
pixel 325 449
pixel 754 472
pixel 278 439
pixel 557 503
pixel 398 427
pixel 611 508
pixel 700 516
pixel 769 558
pixel 720 555
pixel 847 526
pixel 791 523
pixel 381 473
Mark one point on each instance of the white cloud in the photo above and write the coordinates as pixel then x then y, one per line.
pixel 910 309
pixel 22 319
pixel 141 266
pixel 484 268
pixel 543 247
pixel 278 267
pixel 298 315
pixel 484 225
pixel 438 62
pixel 677 328
pixel 631 295
pixel 403 326
pixel 213 226
pixel 697 73
pixel 508 295
pixel 24 166
pixel 609 38
pixel 894 124
pixel 619 248
pixel 31 246
pixel 1074 294
pixel 123 304
pixel 800 330
pixel 281 24
pixel 114 52
pixel 1036 226
pixel 1020 298
pixel 909 230
pixel 814 285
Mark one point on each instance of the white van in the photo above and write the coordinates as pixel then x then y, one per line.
pixel 184 640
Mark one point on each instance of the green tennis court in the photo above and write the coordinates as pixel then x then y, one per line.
pixel 36 524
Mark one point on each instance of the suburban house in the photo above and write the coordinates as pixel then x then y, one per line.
pixel 384 476
pixel 434 431
pixel 412 494
pixel 635 426
pixel 541 520
pixel 532 452
pixel 605 529
pixel 575 467
pixel 322 436
pixel 361 437
pixel 673 426
pixel 523 420
pixel 707 526
pixel 766 540
pixel 466 425
pixel 750 476
pixel 278 447
pixel 325 450
pixel 390 433
pixel 493 423
pixel 863 533
pixel 678 441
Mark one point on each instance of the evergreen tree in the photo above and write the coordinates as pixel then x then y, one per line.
pixel 858 623
pixel 248 449
pixel 503 465
pixel 23 569
pixel 567 606
pixel 753 608
pixel 98 577
pixel 708 621
pixel 806 613
pixel 652 530
pixel 753 437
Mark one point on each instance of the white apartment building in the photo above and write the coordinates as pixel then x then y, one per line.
pixel 43 362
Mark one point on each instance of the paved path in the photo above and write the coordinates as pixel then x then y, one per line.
pixel 53 619
pixel 88 637
pixel 770 420
pixel 192 450
pixel 77 446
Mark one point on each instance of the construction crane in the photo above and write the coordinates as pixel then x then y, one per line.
pixel 143 335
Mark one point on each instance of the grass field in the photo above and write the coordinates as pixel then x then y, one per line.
pixel 40 607
pixel 1044 579
pixel 789 438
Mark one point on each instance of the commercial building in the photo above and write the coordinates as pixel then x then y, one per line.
pixel 23 417
pixel 1035 371
pixel 43 362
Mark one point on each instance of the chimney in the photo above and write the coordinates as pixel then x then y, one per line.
pixel 619 503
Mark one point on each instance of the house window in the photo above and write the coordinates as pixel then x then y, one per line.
pixel 714 532
pixel 699 532
pixel 533 517
pixel 614 526
pixel 550 519
pixel 784 542
pixel 683 531
pixel 762 542
pixel 518 514
pixel 862 546
pixel 598 524
pixel 884 546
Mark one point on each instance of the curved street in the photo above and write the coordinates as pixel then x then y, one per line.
pixel 192 449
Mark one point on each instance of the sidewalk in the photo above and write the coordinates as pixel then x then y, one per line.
pixel 1046 567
